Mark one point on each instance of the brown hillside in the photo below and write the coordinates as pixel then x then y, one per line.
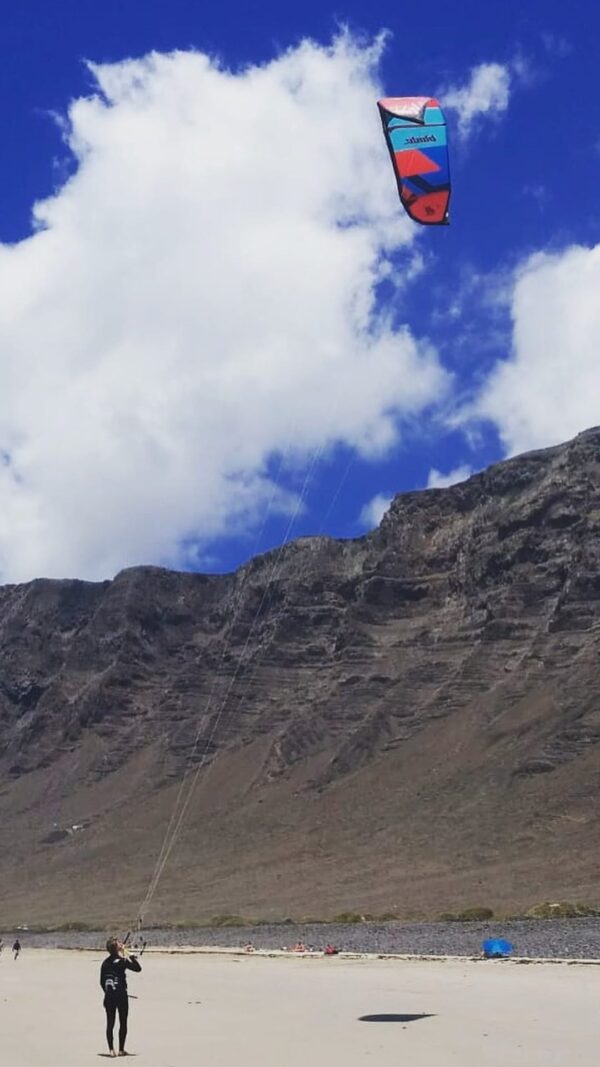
pixel 406 722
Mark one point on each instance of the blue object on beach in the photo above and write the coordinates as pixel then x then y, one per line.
pixel 496 948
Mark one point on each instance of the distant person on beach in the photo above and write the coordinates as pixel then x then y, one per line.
pixel 113 979
pixel 16 948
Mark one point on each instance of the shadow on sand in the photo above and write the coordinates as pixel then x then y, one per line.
pixel 395 1018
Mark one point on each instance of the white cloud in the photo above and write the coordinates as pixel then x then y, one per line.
pixel 549 388
pixel 486 93
pixel 437 480
pixel 373 512
pixel 556 46
pixel 539 193
pixel 199 295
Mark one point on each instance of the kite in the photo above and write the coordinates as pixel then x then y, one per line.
pixel 415 133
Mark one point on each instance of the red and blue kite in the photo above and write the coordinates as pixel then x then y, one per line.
pixel 415 132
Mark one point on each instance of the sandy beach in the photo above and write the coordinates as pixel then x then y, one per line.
pixel 225 1010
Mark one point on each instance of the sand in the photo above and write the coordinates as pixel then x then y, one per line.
pixel 225 1011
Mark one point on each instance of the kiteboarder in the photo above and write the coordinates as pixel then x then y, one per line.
pixel 113 979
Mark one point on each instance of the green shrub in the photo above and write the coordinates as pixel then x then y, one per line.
pixel 74 927
pixel 469 915
pixel 473 915
pixel 563 909
pixel 187 924
pixel 347 918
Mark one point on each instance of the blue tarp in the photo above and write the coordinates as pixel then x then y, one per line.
pixel 496 947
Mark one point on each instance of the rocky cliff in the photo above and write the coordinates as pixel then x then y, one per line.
pixel 406 722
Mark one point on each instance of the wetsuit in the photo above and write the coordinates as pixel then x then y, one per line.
pixel 113 979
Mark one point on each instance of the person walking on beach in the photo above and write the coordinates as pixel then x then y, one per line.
pixel 113 979
pixel 17 948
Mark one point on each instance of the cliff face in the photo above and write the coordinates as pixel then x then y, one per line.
pixel 405 722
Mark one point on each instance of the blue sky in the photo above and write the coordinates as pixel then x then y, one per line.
pixel 503 301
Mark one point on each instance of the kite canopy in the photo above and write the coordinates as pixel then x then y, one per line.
pixel 415 133
pixel 496 947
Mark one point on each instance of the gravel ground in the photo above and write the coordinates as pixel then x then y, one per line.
pixel 556 938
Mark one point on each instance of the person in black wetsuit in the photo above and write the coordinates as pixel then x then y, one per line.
pixel 113 979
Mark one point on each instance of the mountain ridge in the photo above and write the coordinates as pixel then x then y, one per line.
pixel 407 720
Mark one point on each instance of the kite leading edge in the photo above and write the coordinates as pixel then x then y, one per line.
pixel 415 133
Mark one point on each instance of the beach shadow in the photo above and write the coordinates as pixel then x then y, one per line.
pixel 395 1018
pixel 107 1056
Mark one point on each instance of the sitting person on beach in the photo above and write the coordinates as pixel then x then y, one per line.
pixel 113 979
pixel 330 950
pixel 299 947
pixel 248 947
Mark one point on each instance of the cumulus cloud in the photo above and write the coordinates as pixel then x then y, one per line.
pixel 549 388
pixel 199 296
pixel 373 512
pixel 437 480
pixel 486 93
